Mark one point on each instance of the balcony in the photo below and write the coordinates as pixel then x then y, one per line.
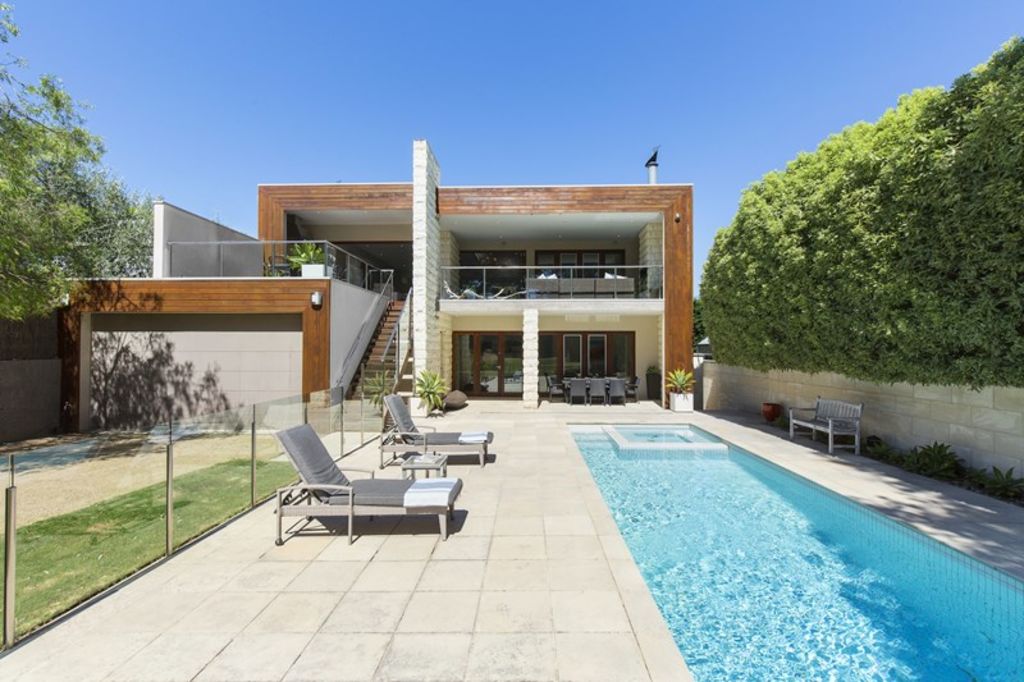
pixel 587 282
pixel 239 259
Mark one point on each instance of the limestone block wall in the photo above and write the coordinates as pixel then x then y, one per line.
pixel 985 427
pixel 650 251
pixel 444 333
pixel 450 258
pixel 426 256
pixel 531 357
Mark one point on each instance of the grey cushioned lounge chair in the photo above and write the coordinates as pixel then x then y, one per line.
pixel 404 437
pixel 325 491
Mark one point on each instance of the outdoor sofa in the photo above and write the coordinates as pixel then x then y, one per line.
pixel 326 492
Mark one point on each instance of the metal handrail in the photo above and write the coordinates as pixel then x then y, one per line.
pixel 369 323
pixel 398 325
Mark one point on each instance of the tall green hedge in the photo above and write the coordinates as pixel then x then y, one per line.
pixel 894 252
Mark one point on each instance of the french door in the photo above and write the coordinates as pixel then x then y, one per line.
pixel 488 363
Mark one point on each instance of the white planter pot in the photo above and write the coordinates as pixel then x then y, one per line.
pixel 314 270
pixel 681 402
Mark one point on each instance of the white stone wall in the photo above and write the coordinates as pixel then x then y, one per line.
pixel 650 251
pixel 531 357
pixel 450 258
pixel 985 427
pixel 444 333
pixel 426 255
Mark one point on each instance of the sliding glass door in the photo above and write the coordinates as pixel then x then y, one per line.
pixel 488 364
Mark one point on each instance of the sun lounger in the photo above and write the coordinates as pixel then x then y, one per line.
pixel 325 491
pixel 405 438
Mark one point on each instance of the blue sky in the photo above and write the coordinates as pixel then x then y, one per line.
pixel 199 102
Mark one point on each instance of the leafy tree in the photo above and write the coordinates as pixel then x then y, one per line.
pixel 61 215
pixel 698 322
pixel 893 252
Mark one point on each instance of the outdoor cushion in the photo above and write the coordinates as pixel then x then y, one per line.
pixel 400 413
pixel 310 456
pixel 433 492
pixel 445 438
pixel 377 492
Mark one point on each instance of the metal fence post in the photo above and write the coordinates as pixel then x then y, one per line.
pixel 252 459
pixel 341 422
pixel 170 487
pixel 10 556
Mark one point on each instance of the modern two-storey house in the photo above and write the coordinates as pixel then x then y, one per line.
pixel 500 289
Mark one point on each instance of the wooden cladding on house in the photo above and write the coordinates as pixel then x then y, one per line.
pixel 276 200
pixel 540 200
pixel 168 296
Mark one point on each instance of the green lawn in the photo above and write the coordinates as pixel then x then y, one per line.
pixel 66 559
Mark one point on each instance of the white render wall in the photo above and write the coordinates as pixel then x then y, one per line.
pixel 173 224
pixel 986 428
pixel 426 258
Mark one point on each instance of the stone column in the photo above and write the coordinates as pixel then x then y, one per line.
pixel 531 358
pixel 426 260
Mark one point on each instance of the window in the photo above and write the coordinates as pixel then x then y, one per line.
pixel 597 356
pixel 572 355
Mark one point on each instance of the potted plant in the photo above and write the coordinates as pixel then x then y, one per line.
pixel 431 390
pixel 680 388
pixel 307 258
pixel 771 411
pixel 654 383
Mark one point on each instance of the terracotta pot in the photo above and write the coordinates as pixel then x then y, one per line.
pixel 771 411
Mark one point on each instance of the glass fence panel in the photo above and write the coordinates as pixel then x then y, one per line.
pixel 273 468
pixel 90 512
pixel 212 463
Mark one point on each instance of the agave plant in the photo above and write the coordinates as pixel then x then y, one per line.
pixel 378 385
pixel 1004 484
pixel 679 381
pixel 431 389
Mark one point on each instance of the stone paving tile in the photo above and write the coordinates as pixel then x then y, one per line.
pixel 295 612
pixel 423 657
pixel 452 576
pixel 327 576
pixel 514 611
pixel 367 612
pixel 224 612
pixel 600 658
pixel 171 657
pixel 339 658
pixel 512 657
pixel 440 612
pixel 256 658
pixel 380 576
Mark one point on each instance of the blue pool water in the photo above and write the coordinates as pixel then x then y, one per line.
pixel 762 575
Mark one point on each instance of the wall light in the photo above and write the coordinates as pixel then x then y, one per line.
pixel 316 299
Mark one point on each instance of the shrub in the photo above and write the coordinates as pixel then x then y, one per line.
pixel 937 460
pixel 1003 484
pixel 893 251
pixel 431 389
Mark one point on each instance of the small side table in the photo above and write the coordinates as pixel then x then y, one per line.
pixel 426 464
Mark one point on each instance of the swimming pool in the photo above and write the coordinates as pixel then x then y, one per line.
pixel 763 575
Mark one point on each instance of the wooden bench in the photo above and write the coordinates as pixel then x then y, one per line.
pixel 834 417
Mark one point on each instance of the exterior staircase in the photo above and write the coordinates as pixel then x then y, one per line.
pixel 379 357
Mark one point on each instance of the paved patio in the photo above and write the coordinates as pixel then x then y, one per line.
pixel 536 582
